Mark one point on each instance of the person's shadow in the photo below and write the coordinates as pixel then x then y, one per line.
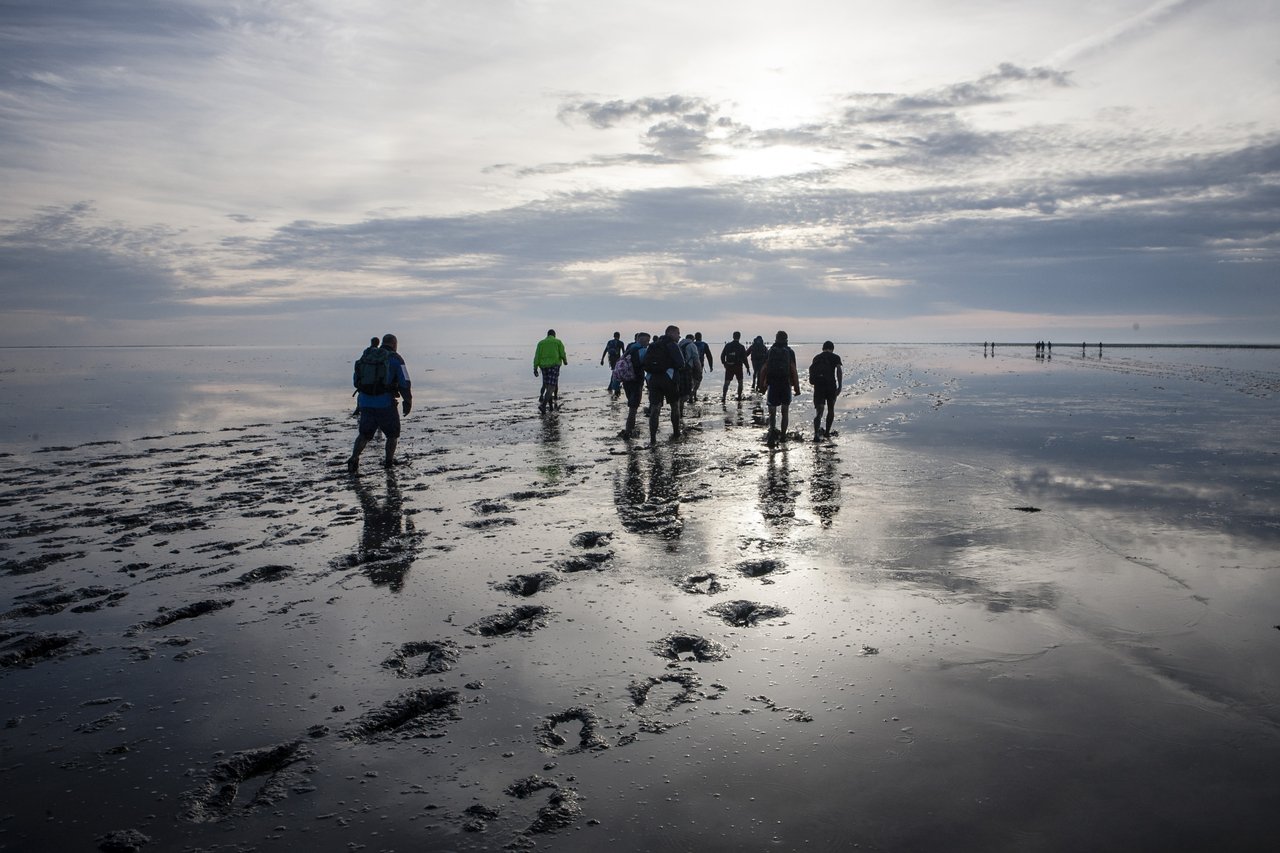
pixel 389 542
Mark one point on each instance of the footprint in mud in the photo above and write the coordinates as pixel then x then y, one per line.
pixel 745 614
pixel 523 619
pixel 641 691
pixel 562 810
pixel 708 584
pixel 437 657
pixel 28 648
pixel 188 611
pixel 589 738
pixel 417 713
pixel 676 646
pixel 763 568
pixel 585 562
pixel 527 585
pixel 795 715
pixel 591 539
pixel 220 796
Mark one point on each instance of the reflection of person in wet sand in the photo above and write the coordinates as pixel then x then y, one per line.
pixel 824 489
pixel 777 502
pixel 389 544
pixel 652 504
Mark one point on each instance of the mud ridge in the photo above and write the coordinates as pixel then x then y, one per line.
pixel 708 584
pixel 187 611
pixel 417 713
pixel 525 586
pixel 524 619
pixel 589 737
pixel 23 649
pixel 759 568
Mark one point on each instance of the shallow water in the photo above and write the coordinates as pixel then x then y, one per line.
pixel 1029 604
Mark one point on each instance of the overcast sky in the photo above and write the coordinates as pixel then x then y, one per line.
pixel 318 171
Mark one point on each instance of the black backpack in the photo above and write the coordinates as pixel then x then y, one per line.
pixel 822 371
pixel 778 364
pixel 730 353
pixel 375 372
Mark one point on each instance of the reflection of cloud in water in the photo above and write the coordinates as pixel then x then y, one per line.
pixel 1240 506
pixel 389 543
pixel 968 565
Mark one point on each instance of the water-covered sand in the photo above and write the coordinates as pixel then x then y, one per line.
pixel 1015 604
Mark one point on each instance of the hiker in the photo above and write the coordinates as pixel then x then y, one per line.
pixel 780 379
pixel 629 372
pixel 758 351
pixel 733 358
pixel 826 375
pixel 692 369
pixel 704 351
pixel 613 351
pixel 663 362
pixel 380 376
pixel 548 357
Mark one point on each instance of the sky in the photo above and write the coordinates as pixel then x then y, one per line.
pixel 320 171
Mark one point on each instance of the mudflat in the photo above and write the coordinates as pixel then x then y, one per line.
pixel 1013 603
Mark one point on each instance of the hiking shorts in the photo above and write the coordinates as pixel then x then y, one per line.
pixel 551 375
pixel 822 394
pixel 662 388
pixel 779 394
pixel 732 372
pixel 635 392
pixel 385 418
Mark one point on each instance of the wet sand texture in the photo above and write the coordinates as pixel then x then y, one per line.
pixel 1011 604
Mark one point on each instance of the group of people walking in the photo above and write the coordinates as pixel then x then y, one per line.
pixel 671 369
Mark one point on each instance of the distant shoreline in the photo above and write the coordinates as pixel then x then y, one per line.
pixel 1062 345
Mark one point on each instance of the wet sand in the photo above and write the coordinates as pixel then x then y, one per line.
pixel 1015 604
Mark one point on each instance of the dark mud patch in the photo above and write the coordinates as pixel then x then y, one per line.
pixel 489 523
pixel 679 646
pixel 122 841
pixel 524 619
pixel 435 658
pixel 418 713
pixel 745 614
pixel 22 649
pixel 224 793
pixel 708 584
pixel 262 574
pixel 525 586
pixel 542 495
pixel 689 685
pixel 49 603
pixel 1027 508
pixel 39 563
pixel 589 737
pixel 188 611
pixel 490 507
pixel 759 568
pixel 591 539
pixel 478 817
pixel 795 715
pixel 592 560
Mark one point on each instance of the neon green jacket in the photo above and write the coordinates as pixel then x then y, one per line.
pixel 550 352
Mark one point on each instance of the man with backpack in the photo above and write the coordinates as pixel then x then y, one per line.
pixel 629 373
pixel 734 358
pixel 780 379
pixel 826 375
pixel 757 352
pixel 380 376
pixel 613 351
pixel 663 362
